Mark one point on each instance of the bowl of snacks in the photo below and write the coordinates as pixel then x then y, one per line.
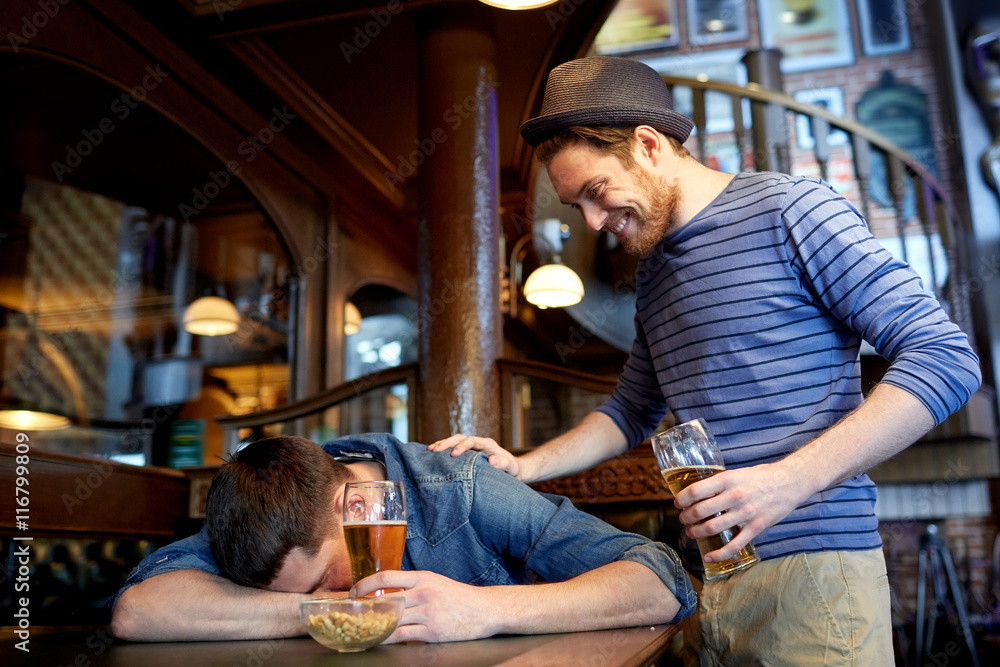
pixel 350 625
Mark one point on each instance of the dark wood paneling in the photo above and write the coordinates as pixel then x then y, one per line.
pixel 91 497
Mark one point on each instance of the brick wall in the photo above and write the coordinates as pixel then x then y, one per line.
pixel 970 543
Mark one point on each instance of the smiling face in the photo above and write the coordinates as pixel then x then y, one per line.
pixel 328 570
pixel 635 204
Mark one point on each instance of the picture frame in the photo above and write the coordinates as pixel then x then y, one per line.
pixel 884 26
pixel 832 99
pixel 725 65
pixel 716 21
pixel 638 25
pixel 817 36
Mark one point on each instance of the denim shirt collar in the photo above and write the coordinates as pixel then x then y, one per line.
pixel 439 489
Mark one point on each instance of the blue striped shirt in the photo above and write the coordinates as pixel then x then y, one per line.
pixel 751 316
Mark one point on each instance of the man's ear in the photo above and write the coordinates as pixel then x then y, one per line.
pixel 338 501
pixel 649 144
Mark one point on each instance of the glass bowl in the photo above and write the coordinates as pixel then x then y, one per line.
pixel 350 625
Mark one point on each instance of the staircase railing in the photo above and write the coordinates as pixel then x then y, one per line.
pixel 306 417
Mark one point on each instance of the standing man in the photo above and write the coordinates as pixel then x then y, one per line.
pixel 753 295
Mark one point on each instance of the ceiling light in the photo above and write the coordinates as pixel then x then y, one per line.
pixel 518 4
pixel 32 420
pixel 30 349
pixel 211 316
pixel 352 319
pixel 553 286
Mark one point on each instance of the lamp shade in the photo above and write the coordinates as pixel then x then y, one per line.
pixel 553 286
pixel 211 316
pixel 32 420
pixel 517 4
pixel 352 319
pixel 29 403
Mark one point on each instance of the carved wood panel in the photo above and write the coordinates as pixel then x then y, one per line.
pixel 631 477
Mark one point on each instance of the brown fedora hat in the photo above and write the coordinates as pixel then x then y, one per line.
pixel 605 91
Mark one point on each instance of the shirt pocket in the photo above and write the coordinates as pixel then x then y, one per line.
pixel 445 505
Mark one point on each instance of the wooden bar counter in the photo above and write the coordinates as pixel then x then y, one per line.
pixel 626 647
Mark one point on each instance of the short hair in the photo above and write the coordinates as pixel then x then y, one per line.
pixel 274 495
pixel 616 141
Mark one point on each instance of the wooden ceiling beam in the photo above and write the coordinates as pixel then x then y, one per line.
pixel 258 17
pixel 353 146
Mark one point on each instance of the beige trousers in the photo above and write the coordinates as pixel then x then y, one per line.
pixel 827 608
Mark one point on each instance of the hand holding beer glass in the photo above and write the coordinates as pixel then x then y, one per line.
pixel 374 527
pixel 688 453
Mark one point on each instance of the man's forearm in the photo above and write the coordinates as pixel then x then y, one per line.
pixel 616 595
pixel 594 440
pixel 191 605
pixel 758 497
pixel 889 420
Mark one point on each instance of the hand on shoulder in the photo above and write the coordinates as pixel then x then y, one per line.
pixel 499 457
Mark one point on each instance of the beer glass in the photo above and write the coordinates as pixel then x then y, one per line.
pixel 374 527
pixel 688 453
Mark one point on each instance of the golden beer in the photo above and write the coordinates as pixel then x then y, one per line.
pixel 373 546
pixel 678 479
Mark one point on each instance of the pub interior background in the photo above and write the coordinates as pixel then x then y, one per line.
pixel 345 183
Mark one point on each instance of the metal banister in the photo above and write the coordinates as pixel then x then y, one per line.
pixel 324 400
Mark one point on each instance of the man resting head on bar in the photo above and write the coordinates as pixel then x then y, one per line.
pixel 475 537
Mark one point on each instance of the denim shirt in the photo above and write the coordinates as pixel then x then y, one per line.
pixel 474 524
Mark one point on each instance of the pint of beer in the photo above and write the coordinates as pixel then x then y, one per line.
pixel 374 527
pixel 688 453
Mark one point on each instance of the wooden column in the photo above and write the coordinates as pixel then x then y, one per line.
pixel 460 324
pixel 770 132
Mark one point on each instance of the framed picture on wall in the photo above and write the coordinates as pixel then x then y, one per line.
pixel 638 25
pixel 884 26
pixel 811 34
pixel 831 99
pixel 714 21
